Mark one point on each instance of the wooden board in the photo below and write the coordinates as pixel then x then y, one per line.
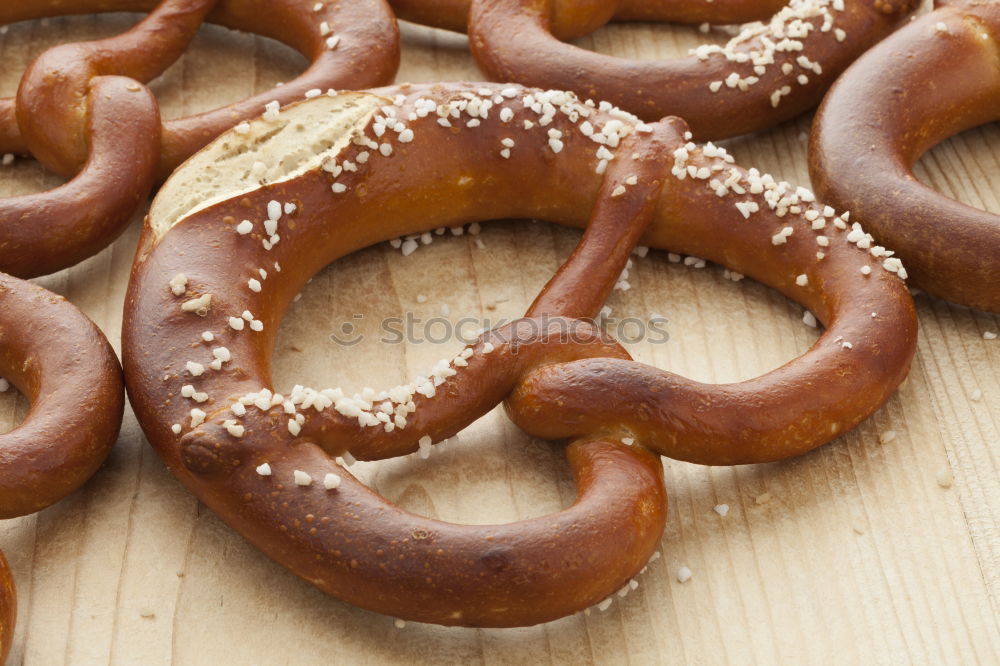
pixel 853 554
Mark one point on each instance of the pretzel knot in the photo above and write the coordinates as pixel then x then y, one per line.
pixel 222 257
pixel 82 111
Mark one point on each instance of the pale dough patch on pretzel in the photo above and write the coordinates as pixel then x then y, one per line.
pixel 288 144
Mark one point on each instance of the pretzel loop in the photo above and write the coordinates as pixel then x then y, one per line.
pixel 769 73
pixel 65 367
pixel 877 120
pixel 371 553
pixel 574 18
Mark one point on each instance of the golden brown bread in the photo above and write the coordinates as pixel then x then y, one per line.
pixel 406 159
pixel 936 77
pixel 77 115
pixel 575 18
pixel 771 71
pixel 65 367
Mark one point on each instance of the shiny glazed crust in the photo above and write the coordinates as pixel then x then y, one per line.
pixel 879 119
pixel 65 367
pixel 575 18
pixel 199 332
pixel 770 72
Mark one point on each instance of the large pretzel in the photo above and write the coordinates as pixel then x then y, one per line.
pixel 936 77
pixel 77 115
pixel 771 71
pixel 65 367
pixel 221 258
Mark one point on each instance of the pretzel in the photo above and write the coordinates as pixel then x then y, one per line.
pixel 575 18
pixel 222 257
pixel 65 367
pixel 770 72
pixel 76 115
pixel 879 120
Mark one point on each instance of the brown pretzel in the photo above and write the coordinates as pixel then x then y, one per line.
pixel 207 296
pixel 880 118
pixel 65 367
pixel 80 119
pixel 576 18
pixel 771 72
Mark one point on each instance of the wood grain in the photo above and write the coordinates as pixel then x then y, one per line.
pixel 853 554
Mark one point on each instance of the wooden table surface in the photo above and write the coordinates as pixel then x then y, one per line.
pixel 873 549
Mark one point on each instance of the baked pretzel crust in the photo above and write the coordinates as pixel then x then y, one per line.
pixel 575 18
pixel 366 55
pixel 77 113
pixel 65 367
pixel 936 77
pixel 421 157
pixel 771 72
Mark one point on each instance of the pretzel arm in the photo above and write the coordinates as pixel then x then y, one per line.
pixel 884 114
pixel 769 73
